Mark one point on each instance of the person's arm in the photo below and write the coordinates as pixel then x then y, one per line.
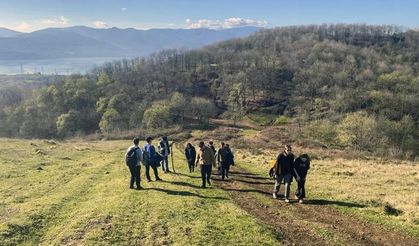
pixel 197 158
pixel 277 165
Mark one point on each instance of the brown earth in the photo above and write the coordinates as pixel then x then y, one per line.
pixel 316 222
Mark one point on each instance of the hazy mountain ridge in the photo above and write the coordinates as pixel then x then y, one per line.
pixel 81 41
pixel 7 33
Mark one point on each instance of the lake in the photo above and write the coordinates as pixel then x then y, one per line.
pixel 62 66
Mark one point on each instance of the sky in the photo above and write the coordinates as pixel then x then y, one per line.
pixel 31 15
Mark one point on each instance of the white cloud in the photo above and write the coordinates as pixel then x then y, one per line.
pixel 55 21
pixel 123 9
pixel 23 27
pixel 226 23
pixel 100 24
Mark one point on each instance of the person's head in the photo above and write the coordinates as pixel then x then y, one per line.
pixel 136 141
pixel 287 149
pixel 188 145
pixel 222 144
pixel 201 144
pixel 304 157
pixel 228 145
pixel 164 138
pixel 148 139
pixel 211 143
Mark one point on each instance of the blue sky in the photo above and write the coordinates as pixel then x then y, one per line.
pixel 30 15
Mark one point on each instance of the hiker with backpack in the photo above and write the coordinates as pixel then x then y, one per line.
pixel 205 159
pixel 164 152
pixel 301 167
pixel 190 154
pixel 133 157
pixel 150 159
pixel 283 171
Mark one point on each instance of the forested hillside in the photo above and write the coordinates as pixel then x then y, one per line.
pixel 346 86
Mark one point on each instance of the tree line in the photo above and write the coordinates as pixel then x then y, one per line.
pixel 350 86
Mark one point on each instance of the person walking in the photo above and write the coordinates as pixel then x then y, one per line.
pixel 164 151
pixel 133 157
pixel 284 168
pixel 223 160
pixel 150 160
pixel 205 159
pixel 301 167
pixel 190 154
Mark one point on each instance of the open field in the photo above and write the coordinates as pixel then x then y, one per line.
pixel 76 193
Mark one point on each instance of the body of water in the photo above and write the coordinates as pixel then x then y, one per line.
pixel 62 66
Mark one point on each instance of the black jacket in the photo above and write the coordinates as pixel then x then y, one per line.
pixel 190 154
pixel 284 164
pixel 301 165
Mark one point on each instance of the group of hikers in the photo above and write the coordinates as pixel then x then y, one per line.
pixel 206 158
pixel 283 170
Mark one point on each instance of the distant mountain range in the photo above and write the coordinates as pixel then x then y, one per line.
pixel 82 41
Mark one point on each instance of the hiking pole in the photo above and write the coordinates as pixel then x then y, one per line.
pixel 171 155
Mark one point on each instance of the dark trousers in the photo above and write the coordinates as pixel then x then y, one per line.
pixel 135 175
pixel 301 191
pixel 225 167
pixel 147 172
pixel 206 174
pixel 165 163
pixel 191 165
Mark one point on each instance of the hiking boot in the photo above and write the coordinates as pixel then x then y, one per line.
pixel 301 201
pixel 159 179
pixel 287 200
pixel 139 187
pixel 275 196
pixel 131 187
pixel 203 186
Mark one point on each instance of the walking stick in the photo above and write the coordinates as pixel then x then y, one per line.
pixel 171 155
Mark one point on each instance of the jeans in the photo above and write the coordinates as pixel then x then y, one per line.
pixel 206 174
pixel 147 172
pixel 301 191
pixel 165 163
pixel 225 167
pixel 135 175
pixel 287 178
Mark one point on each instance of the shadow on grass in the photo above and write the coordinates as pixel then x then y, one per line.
pixel 184 184
pixel 248 191
pixel 338 203
pixel 254 182
pixel 188 175
pixel 186 193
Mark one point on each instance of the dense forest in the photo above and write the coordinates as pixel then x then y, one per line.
pixel 346 86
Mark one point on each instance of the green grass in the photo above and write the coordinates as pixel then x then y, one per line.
pixel 81 196
pixel 366 183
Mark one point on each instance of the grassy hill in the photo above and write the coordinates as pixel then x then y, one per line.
pixel 76 193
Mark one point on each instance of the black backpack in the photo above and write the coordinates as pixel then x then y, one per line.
pixel 131 157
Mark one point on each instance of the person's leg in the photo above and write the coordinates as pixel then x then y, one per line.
pixel 203 175
pixel 147 172
pixel 223 170
pixel 167 163
pixel 287 179
pixel 209 170
pixel 227 169
pixel 132 172
pixel 278 181
pixel 137 178
pixel 303 189
pixel 156 173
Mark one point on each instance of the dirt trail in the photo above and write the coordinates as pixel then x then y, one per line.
pixel 312 223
